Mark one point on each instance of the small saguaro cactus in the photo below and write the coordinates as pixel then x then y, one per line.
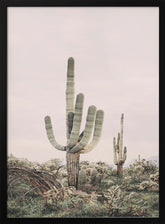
pixel 81 179
pixel 93 176
pixel 77 143
pixel 117 148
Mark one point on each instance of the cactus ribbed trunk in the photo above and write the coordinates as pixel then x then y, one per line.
pixel 72 160
pixel 119 170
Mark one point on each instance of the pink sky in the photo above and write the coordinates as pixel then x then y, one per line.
pixel 116 67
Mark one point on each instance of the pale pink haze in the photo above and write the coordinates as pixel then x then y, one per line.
pixel 116 53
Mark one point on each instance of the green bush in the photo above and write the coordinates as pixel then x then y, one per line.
pixel 92 210
pixel 25 207
pixel 154 202
pixel 14 210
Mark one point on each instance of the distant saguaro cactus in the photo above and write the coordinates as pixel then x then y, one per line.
pixel 117 148
pixel 76 143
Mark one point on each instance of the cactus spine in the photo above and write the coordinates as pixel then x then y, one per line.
pixel 77 142
pixel 119 157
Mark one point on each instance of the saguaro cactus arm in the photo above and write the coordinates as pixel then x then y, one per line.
pixel 49 131
pixel 97 132
pixel 118 144
pixel 88 130
pixel 70 122
pixel 115 151
pixel 81 135
pixel 124 155
pixel 69 91
pixel 76 121
pixel 70 87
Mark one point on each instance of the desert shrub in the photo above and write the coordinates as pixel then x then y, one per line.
pixel 149 186
pixel 50 208
pixel 112 172
pixel 52 165
pixel 14 210
pixel 21 189
pixel 23 208
pixel 22 162
pixel 92 210
pixel 154 202
pixel 100 163
pixel 70 207
pixel 109 170
pixel 120 203
pixel 64 182
pixel 88 188
pixel 127 180
pixel 76 203
pixel 85 162
pixel 106 183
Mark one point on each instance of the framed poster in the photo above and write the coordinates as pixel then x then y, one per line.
pixel 80 113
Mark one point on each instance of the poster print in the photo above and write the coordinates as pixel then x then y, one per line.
pixel 83 112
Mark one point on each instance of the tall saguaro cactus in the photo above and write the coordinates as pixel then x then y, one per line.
pixel 119 158
pixel 77 143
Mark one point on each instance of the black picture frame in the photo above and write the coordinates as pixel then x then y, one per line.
pixel 4 4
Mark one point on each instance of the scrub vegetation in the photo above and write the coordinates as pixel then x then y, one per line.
pixel 41 190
